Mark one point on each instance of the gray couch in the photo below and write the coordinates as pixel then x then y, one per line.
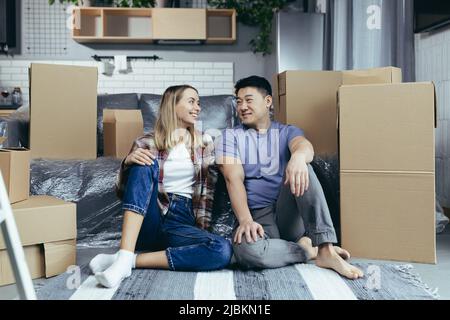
pixel 91 183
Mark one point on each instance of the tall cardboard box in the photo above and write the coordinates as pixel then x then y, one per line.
pixel 307 99
pixel 15 168
pixel 63 112
pixel 47 230
pixel 120 129
pixel 387 171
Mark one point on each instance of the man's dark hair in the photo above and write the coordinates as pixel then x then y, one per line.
pixel 259 83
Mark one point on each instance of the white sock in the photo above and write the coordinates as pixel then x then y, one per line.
pixel 119 270
pixel 102 261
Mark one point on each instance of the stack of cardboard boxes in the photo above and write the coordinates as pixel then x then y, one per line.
pixel 383 132
pixel 387 171
pixel 47 226
pixel 62 126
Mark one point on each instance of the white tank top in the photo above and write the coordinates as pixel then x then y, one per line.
pixel 179 172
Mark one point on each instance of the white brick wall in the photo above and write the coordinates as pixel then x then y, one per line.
pixel 142 76
pixel 433 64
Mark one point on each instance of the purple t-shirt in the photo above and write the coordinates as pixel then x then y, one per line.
pixel 264 158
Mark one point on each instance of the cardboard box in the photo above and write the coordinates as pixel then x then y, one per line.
pixel 63 112
pixel 48 231
pixel 15 168
pixel 307 99
pixel 120 129
pixel 43 219
pixel 44 260
pixel 387 171
pixel 372 76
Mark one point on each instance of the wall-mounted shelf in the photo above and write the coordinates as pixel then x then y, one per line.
pixel 221 26
pixel 145 25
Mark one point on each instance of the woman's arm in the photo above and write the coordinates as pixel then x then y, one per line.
pixel 142 144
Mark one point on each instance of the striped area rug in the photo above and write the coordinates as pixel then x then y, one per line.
pixel 298 282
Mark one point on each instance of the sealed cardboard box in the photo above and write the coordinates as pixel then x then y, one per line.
pixel 387 127
pixel 15 168
pixel 63 112
pixel 42 219
pixel 307 99
pixel 43 260
pixel 47 230
pixel 120 129
pixel 387 171
pixel 372 76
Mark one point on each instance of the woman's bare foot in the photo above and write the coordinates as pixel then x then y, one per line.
pixel 306 244
pixel 329 259
pixel 342 252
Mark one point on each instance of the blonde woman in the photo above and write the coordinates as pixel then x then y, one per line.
pixel 163 183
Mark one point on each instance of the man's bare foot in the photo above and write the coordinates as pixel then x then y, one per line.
pixel 329 259
pixel 306 244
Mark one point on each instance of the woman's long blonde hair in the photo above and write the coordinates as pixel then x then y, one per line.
pixel 167 134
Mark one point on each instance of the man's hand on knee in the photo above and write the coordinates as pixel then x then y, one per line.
pixel 297 175
pixel 251 230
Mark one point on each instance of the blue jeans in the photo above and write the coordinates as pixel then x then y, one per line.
pixel 188 248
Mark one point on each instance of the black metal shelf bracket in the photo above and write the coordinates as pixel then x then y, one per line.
pixel 154 57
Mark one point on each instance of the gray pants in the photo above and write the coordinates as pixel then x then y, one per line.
pixel 285 223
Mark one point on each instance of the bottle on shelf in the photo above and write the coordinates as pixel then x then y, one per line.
pixel 17 97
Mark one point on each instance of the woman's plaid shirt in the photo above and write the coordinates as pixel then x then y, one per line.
pixel 206 171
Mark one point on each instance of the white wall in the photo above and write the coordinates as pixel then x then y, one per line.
pixel 50 31
pixel 433 64
pixel 142 76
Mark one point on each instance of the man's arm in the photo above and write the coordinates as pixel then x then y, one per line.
pixel 297 174
pixel 301 148
pixel 233 173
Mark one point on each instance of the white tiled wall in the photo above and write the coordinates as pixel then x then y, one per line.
pixel 210 78
pixel 433 64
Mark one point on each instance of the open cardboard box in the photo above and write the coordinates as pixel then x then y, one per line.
pixel 387 171
pixel 47 230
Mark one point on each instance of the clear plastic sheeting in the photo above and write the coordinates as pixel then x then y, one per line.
pixel 15 128
pixel 88 183
pixel 327 171
pixel 223 217
pixel 3 129
pixel 441 220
